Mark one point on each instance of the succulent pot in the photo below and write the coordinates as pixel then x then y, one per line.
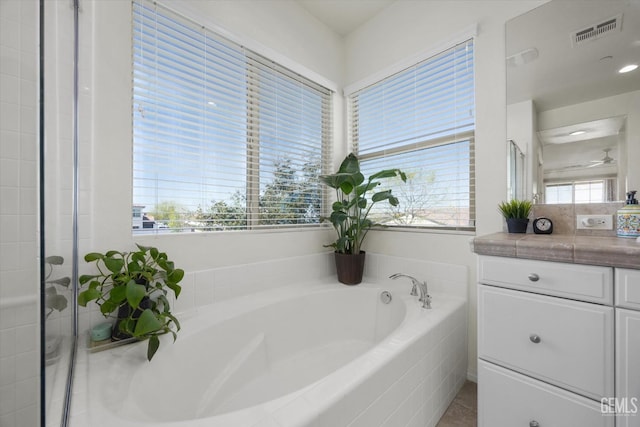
pixel 349 267
pixel 517 225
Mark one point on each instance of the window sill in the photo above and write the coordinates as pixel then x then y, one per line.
pixel 460 231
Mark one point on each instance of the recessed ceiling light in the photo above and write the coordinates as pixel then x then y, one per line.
pixel 578 132
pixel 213 104
pixel 628 68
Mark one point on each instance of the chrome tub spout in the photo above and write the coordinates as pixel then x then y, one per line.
pixel 418 287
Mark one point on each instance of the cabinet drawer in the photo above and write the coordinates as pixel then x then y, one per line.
pixel 507 399
pixel 628 288
pixel 575 281
pixel 563 342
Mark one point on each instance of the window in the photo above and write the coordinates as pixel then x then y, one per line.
pixel 422 120
pixel 595 191
pixel 223 137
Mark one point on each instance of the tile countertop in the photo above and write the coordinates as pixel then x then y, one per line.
pixel 606 251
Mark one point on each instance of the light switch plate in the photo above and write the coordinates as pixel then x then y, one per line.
pixel 594 222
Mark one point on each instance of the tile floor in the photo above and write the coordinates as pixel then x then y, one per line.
pixel 463 411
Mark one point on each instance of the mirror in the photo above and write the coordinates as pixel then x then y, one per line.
pixel 571 112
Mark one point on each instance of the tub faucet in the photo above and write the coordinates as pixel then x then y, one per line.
pixel 425 298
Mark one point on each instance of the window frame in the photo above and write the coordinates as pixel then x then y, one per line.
pixel 252 190
pixel 572 185
pixel 469 135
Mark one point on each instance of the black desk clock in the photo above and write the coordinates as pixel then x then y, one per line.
pixel 542 226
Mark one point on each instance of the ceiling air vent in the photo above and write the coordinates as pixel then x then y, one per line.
pixel 596 31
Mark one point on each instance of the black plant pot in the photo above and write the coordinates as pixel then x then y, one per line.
pixel 123 313
pixel 517 225
pixel 349 267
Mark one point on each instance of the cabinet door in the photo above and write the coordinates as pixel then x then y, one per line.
pixel 509 399
pixel 628 288
pixel 628 367
pixel 566 343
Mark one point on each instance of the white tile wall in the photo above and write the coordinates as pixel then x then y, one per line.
pixel 200 288
pixel 440 277
pixel 238 280
pixel 19 336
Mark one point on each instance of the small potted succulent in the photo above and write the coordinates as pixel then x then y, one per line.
pixel 134 285
pixel 516 213
pixel 350 213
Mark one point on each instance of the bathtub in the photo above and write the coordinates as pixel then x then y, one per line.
pixel 313 355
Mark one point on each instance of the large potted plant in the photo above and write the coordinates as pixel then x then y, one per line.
pixel 355 196
pixel 134 285
pixel 516 213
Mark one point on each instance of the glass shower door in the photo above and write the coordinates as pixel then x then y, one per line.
pixel 58 206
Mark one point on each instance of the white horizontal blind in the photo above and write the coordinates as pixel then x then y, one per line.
pixel 422 120
pixel 223 137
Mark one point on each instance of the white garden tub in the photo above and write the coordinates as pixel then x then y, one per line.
pixel 323 355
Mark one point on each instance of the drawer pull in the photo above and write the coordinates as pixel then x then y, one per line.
pixel 534 423
pixel 534 277
pixel 534 338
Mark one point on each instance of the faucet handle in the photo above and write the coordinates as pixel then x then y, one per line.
pixel 427 302
pixel 414 289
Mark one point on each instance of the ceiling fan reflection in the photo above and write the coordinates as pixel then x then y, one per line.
pixel 606 160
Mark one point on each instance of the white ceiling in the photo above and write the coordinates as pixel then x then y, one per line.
pixel 611 126
pixel 569 155
pixel 344 16
pixel 563 75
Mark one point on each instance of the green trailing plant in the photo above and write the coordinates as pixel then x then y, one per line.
pixel 351 209
pixel 53 301
pixel 515 209
pixel 135 285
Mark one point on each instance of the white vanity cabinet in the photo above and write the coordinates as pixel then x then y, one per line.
pixel 545 343
pixel 628 347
